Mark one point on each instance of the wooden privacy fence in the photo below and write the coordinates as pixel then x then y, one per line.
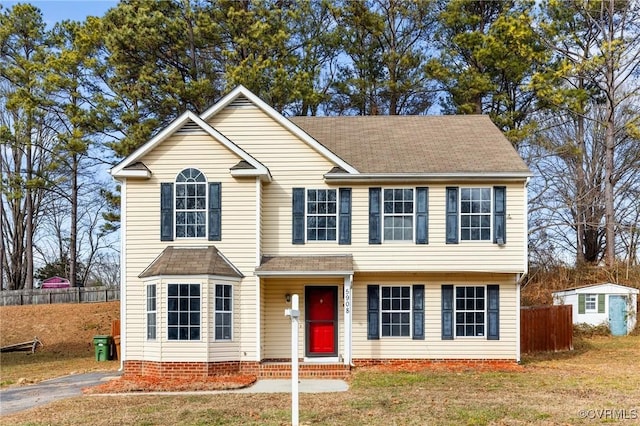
pixel 546 328
pixel 59 295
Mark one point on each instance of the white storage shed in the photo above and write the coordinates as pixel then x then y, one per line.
pixel 612 304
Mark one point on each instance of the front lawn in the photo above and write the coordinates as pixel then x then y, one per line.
pixel 598 382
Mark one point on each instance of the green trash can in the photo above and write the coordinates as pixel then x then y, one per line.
pixel 102 344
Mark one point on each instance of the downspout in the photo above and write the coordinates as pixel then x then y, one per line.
pixel 520 277
pixel 123 272
pixel 258 259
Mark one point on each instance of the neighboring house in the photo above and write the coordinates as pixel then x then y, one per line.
pixel 55 282
pixel 611 304
pixel 404 236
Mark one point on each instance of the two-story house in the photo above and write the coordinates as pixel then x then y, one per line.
pixel 405 238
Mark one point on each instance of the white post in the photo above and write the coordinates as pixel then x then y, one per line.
pixel 294 313
pixel 348 309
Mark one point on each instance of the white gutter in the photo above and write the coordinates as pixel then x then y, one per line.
pixel 146 174
pixel 303 273
pixel 408 177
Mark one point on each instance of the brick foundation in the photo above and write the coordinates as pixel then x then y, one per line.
pixel 454 364
pixel 267 369
pixel 281 369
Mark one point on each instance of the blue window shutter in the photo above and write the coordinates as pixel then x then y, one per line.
pixel 373 312
pixel 581 303
pixel 418 312
pixel 493 312
pixel 422 215
pixel 452 215
pixel 298 216
pixel 447 312
pixel 345 216
pixel 166 211
pixel 499 212
pixel 215 212
pixel 375 223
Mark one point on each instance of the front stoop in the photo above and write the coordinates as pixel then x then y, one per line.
pixel 306 370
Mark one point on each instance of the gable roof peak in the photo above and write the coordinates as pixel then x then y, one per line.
pixel 173 127
pixel 288 124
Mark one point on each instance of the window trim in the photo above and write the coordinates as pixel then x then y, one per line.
pixel 485 333
pixel 205 211
pixel 587 309
pixel 491 214
pixel 336 214
pixel 216 311
pixel 383 215
pixel 410 311
pixel 201 328
pixel 154 311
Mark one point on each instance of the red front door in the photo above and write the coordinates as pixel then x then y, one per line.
pixel 321 320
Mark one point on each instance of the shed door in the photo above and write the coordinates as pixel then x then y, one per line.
pixel 321 321
pixel 618 315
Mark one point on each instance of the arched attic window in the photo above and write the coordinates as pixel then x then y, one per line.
pixel 191 204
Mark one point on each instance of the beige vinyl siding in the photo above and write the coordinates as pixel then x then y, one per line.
pixel 245 300
pixel 277 327
pixel 294 164
pixel 437 256
pixel 433 347
pixel 178 152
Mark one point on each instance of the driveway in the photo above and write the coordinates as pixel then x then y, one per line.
pixel 21 398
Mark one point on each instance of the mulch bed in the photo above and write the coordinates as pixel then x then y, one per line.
pixel 131 383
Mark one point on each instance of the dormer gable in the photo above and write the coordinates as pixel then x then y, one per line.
pixel 132 166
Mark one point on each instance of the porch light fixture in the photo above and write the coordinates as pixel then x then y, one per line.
pixel 287 297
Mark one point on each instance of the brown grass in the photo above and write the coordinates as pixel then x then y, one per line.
pixel 66 331
pixel 552 389
pixel 576 387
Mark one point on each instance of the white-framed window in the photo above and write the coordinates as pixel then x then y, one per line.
pixel 191 204
pixel 398 214
pixel 475 214
pixel 183 311
pixel 470 309
pixel 151 312
pixel 223 312
pixel 395 311
pixel 322 215
pixel 591 303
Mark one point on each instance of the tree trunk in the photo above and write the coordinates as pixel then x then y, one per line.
pixel 73 232
pixel 609 213
pixel 580 189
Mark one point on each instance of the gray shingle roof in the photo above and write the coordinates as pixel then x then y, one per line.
pixel 305 264
pixel 191 261
pixel 416 144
